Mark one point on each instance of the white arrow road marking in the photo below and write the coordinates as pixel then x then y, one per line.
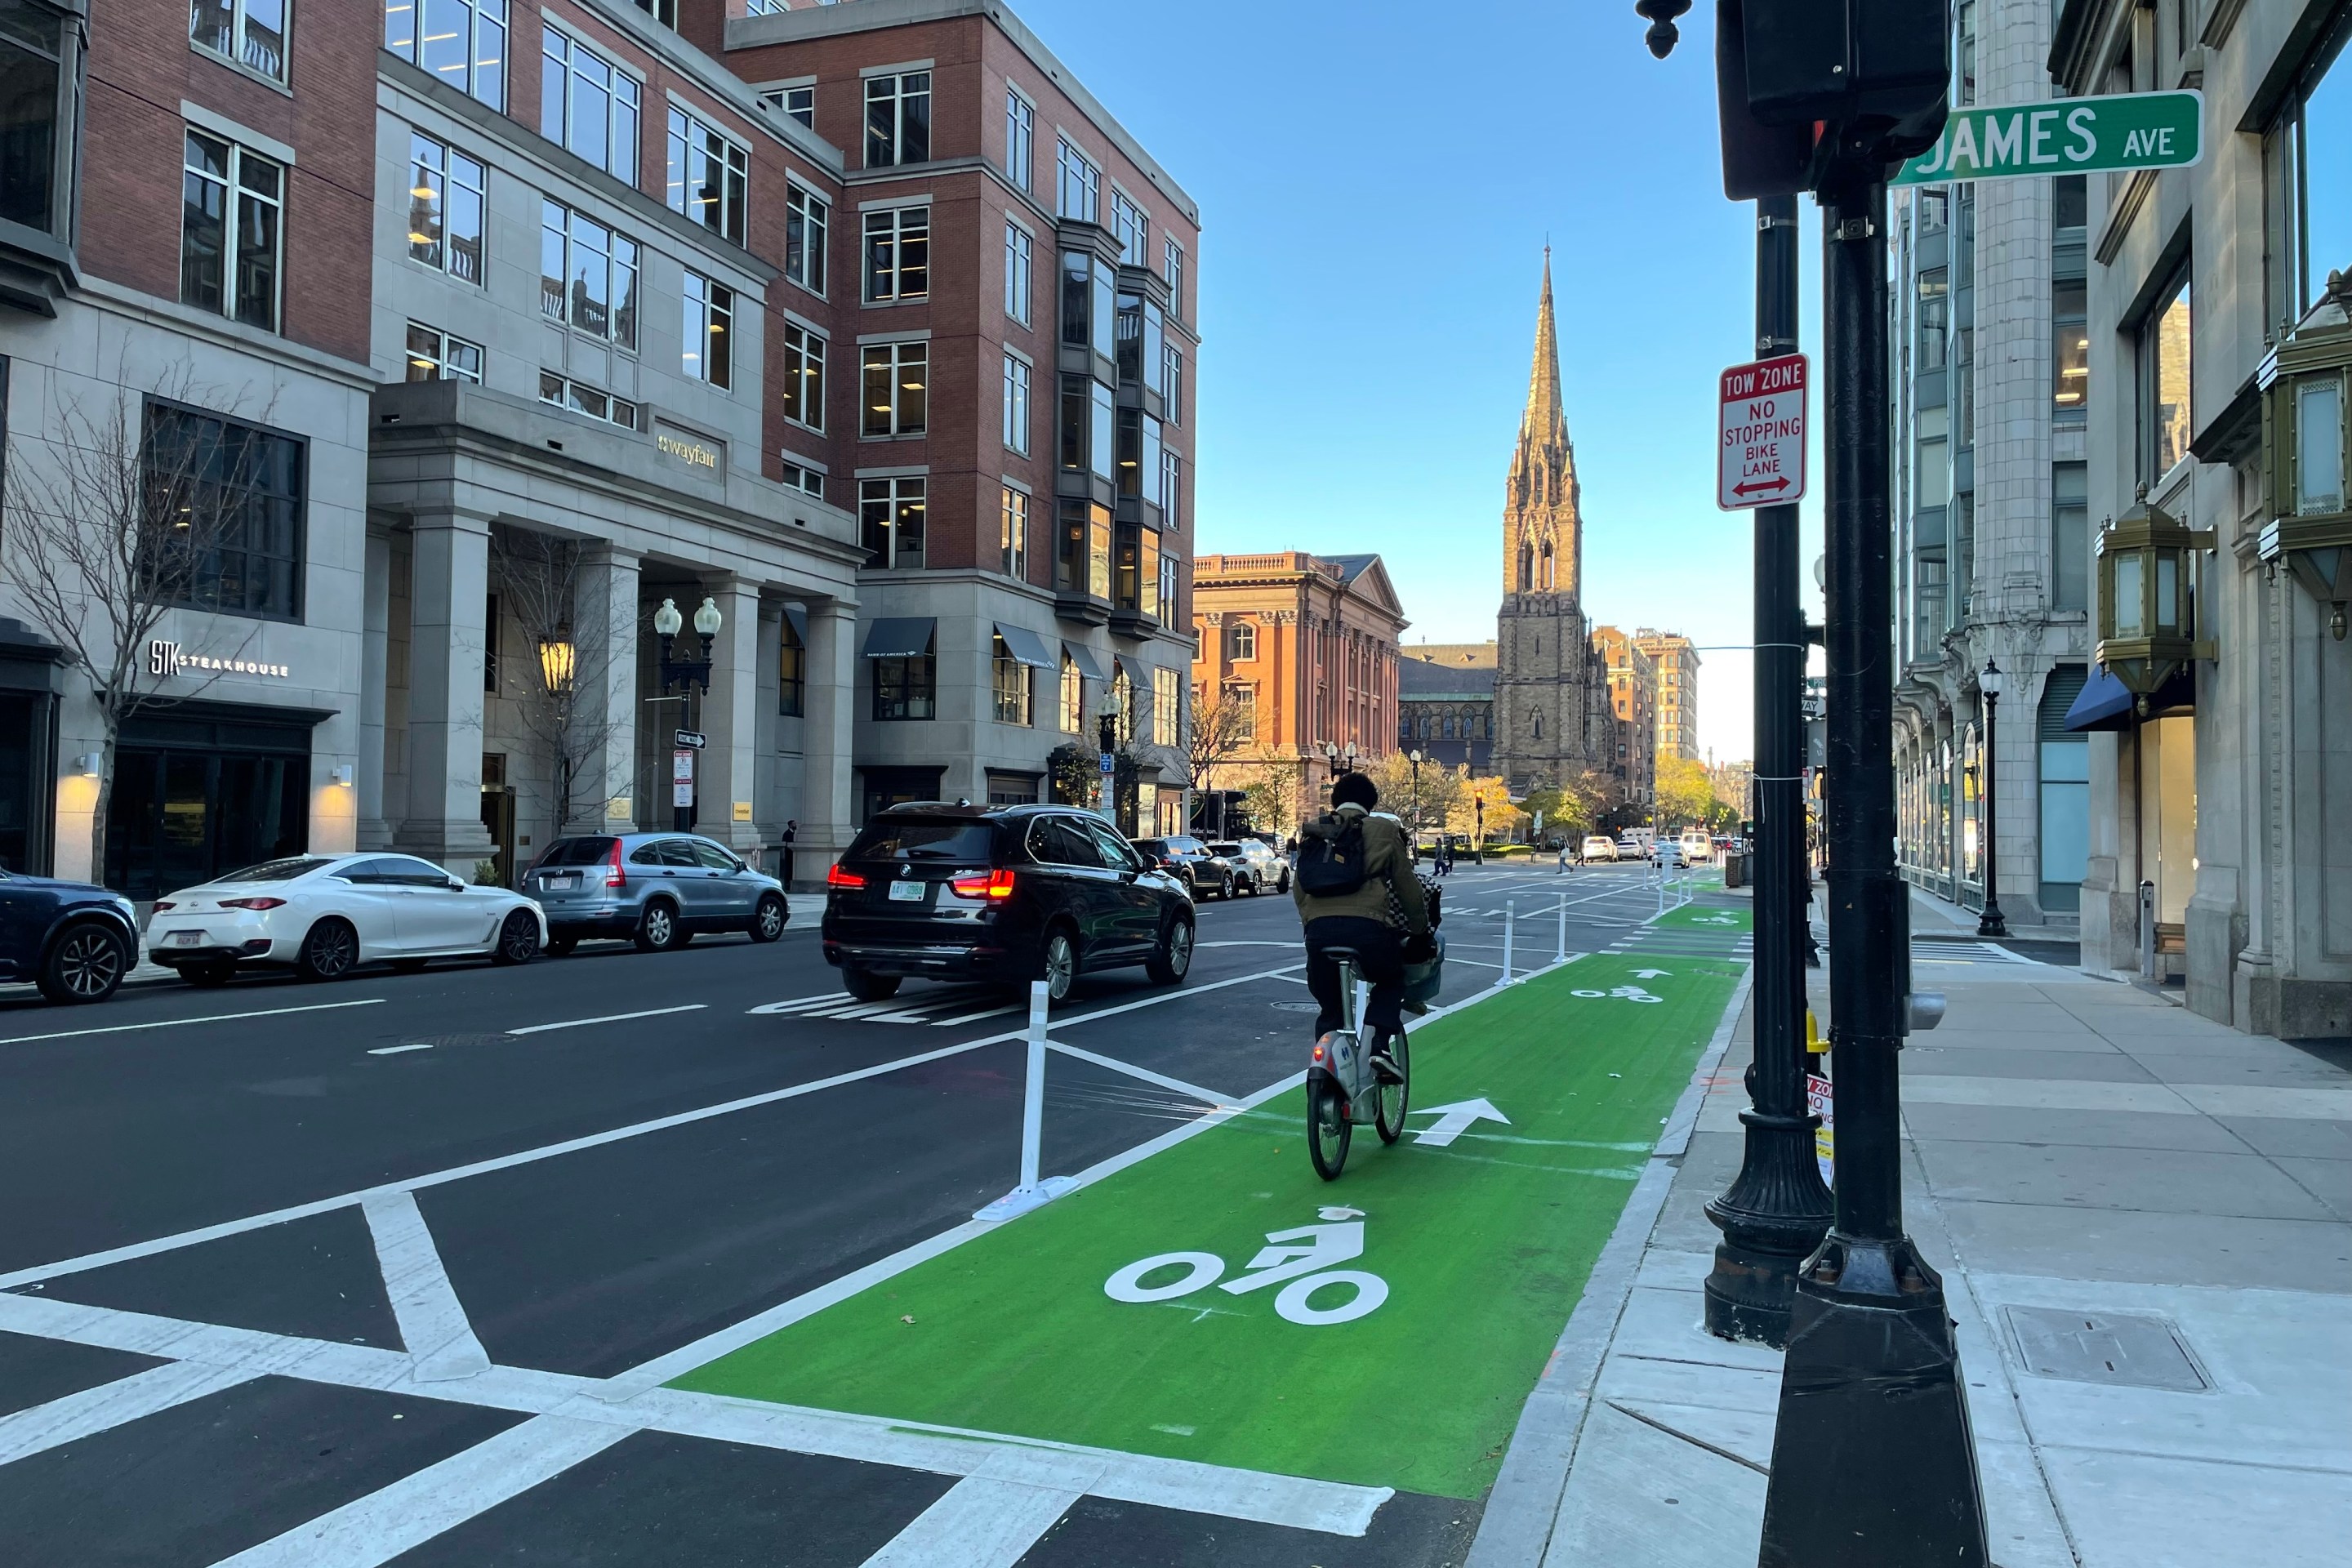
pixel 1654 974
pixel 1454 1120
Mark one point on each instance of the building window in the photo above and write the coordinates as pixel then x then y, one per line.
pixel 1082 553
pixel 2071 350
pixel 465 43
pixel 445 208
pixel 1241 641
pixel 803 393
pixel 906 687
pixel 39 149
pixel 898 255
pixel 662 11
pixel 797 102
pixel 2165 342
pixel 1931 482
pixel 1122 698
pixel 1138 456
pixel 229 231
pixel 707 335
pixel 792 671
pixel 2070 537
pixel 588 274
pixel 2308 161
pixel 707 177
pixel 2070 198
pixel 1167 698
pixel 1078 191
pixel 898 119
pixel 806 215
pixel 1935 317
pixel 435 355
pixel 1244 701
pixel 1013 535
pixel 896 388
pixel 1089 420
pixel 1171 492
pixel 586 104
pixel 1142 342
pixel 1172 265
pixel 1935 208
pixel 1017 406
pixel 1020 139
pixel 240 491
pixel 765 7
pixel 1132 226
pixel 1172 381
pixel 1017 279
pixel 1168 581
pixel 1136 584
pixel 803 478
pixel 1009 678
pixel 250 31
pixel 890 522
pixel 1071 709
pixel 578 397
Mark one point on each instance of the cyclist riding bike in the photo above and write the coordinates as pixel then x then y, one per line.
pixel 1383 918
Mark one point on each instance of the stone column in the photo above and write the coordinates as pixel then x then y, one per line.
pixel 828 814
pixel 448 591
pixel 731 716
pixel 606 617
pixel 375 643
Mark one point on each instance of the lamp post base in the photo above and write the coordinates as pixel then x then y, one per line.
pixel 1873 1460
pixel 1991 922
pixel 1772 1217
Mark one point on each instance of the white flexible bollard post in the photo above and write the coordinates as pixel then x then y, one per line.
pixel 1562 956
pixel 1032 1090
pixel 1510 920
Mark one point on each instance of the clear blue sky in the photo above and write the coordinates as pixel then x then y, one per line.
pixel 1376 182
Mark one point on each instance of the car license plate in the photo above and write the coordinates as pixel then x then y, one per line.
pixel 184 939
pixel 907 892
pixel 563 879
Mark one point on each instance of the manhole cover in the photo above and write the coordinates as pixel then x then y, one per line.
pixel 1295 1006
pixel 2134 1350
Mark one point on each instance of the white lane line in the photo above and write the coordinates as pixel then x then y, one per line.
pixel 111 1404
pixel 207 1019
pixel 433 1322
pixel 589 1141
pixel 980 1523
pixel 395 1050
pixel 794 1003
pixel 609 1019
pixel 377 1528
pixel 976 1017
pixel 1189 1090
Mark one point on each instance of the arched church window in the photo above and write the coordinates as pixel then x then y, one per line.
pixel 1549 580
pixel 1527 568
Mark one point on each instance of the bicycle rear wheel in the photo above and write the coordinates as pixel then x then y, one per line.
pixel 1328 1130
pixel 1394 1098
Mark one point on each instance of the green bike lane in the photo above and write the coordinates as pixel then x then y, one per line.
pixel 1218 1302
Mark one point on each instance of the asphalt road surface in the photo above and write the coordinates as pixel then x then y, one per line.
pixel 389 1270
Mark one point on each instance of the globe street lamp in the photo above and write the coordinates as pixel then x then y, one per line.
pixel 1106 742
pixel 1414 758
pixel 688 676
pixel 1989 681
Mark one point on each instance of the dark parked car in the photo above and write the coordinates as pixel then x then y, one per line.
pixel 75 941
pixel 1004 894
pixel 659 888
pixel 1203 871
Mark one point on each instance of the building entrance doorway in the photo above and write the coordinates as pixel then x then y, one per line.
pixel 197 796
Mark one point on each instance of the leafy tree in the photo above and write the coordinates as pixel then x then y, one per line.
pixel 1685 793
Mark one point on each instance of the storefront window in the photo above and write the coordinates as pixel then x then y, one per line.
pixel 2165 345
pixel 225 502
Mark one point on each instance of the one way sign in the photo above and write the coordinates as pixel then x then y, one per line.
pixel 1761 457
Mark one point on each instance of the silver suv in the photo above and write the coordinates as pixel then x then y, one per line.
pixel 660 889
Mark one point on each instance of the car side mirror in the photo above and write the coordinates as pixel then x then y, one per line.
pixel 455 886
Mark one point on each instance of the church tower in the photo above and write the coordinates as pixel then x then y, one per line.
pixel 1552 720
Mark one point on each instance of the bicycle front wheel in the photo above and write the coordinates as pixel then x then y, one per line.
pixel 1328 1130
pixel 1394 1098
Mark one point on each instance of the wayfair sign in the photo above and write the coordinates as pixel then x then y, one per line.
pixel 2065 136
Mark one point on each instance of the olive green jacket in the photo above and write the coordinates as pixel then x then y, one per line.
pixel 1389 886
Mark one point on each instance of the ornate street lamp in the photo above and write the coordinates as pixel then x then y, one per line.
pixel 2147 597
pixel 2306 387
pixel 1414 758
pixel 687 675
pixel 1663 34
pixel 1989 682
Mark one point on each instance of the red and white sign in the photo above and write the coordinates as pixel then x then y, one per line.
pixel 1761 461
pixel 681 777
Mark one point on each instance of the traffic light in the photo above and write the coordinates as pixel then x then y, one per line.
pixel 1798 82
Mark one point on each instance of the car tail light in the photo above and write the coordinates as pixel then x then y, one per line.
pixel 835 877
pixel 252 903
pixel 613 876
pixel 162 904
pixel 992 886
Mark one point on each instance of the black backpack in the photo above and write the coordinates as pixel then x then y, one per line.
pixel 1331 857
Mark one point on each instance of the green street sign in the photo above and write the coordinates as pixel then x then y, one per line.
pixel 2065 136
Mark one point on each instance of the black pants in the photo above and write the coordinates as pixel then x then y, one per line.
pixel 1380 958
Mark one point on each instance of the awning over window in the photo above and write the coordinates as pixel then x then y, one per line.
pixel 899 636
pixel 1084 657
pixel 1025 645
pixel 2107 703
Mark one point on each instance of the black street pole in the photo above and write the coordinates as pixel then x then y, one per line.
pixel 1873 1461
pixel 1991 922
pixel 1775 1213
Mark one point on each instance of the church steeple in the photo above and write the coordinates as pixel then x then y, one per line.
pixel 1543 543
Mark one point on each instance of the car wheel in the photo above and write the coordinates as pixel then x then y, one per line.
pixel 207 976
pixel 407 965
pixel 1170 962
pixel 868 986
pixel 518 939
pixel 330 952
pixel 85 965
pixel 562 946
pixel 1059 965
pixel 768 920
pixel 1249 885
pixel 658 928
pixel 1225 886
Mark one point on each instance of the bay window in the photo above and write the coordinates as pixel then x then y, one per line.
pixel 40 83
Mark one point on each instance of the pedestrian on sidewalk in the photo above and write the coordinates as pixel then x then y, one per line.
pixel 784 853
pixel 1565 864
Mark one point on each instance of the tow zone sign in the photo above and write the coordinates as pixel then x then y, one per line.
pixel 1760 458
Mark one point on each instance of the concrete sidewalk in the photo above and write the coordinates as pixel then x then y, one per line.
pixel 2144 1220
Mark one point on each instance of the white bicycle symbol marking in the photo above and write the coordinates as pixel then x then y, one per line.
pixel 1299 1261
pixel 1623 994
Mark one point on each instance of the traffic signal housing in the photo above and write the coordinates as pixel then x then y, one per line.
pixel 1800 83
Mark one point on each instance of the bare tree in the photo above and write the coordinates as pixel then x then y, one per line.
pixel 539 575
pixel 113 520
pixel 1222 725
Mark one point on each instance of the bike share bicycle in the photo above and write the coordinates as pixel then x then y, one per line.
pixel 1342 1087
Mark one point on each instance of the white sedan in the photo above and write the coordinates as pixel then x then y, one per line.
pixel 325 915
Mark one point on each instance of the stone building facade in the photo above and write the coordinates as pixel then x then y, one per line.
pixel 1677 661
pixel 1632 760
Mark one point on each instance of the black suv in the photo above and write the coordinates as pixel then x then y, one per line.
pixel 74 940
pixel 1007 894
